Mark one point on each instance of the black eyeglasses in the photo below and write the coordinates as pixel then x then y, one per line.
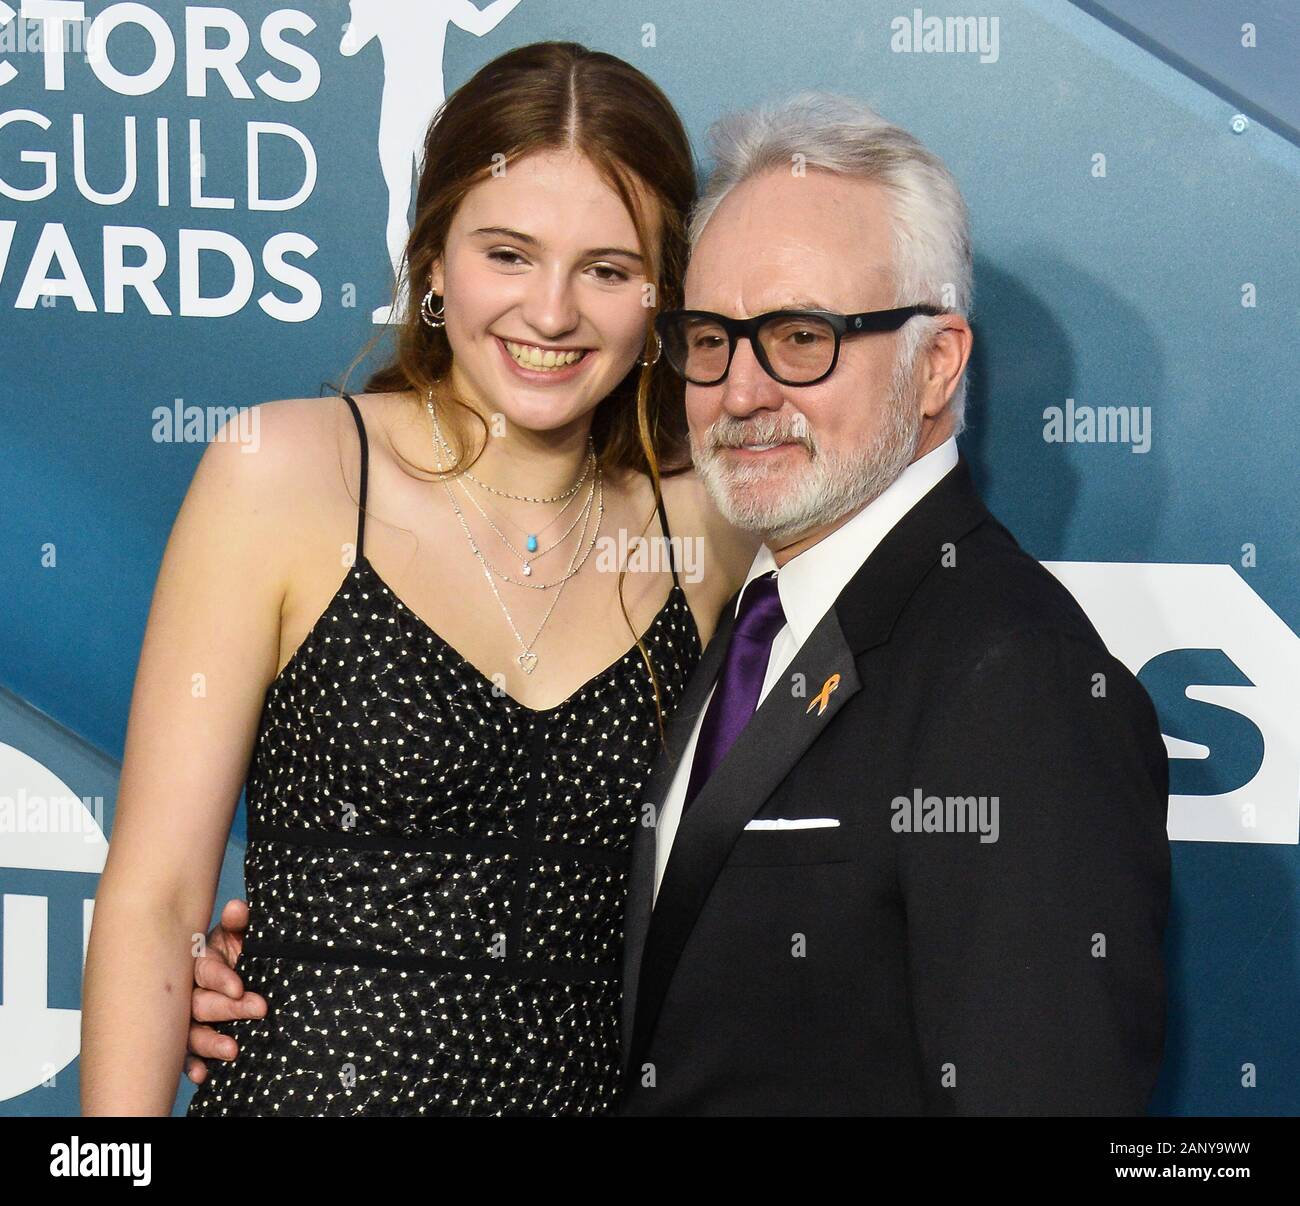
pixel 795 347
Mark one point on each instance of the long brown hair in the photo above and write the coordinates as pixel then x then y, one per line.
pixel 544 96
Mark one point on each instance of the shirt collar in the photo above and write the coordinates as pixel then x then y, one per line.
pixel 809 583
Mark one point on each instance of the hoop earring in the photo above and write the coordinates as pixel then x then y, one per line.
pixel 428 315
pixel 659 347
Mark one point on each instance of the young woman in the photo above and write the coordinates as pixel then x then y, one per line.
pixel 443 750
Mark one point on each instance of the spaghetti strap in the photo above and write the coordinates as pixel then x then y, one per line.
pixel 365 465
pixel 672 553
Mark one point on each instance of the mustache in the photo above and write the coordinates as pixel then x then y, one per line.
pixel 732 433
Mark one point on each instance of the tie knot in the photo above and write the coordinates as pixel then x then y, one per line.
pixel 760 617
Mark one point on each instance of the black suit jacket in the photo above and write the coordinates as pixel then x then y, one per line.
pixel 868 968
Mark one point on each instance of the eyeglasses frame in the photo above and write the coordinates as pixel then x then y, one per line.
pixel 864 323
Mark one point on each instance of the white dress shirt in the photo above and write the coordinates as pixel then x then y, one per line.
pixel 808 585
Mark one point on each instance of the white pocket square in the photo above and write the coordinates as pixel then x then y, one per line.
pixel 800 823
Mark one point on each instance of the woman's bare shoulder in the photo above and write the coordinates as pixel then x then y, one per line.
pixel 290 467
pixel 691 510
pixel 724 551
pixel 261 452
pixel 306 440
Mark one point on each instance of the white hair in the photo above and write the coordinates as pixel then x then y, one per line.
pixel 930 224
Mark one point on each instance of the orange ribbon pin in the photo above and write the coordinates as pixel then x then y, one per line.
pixel 823 696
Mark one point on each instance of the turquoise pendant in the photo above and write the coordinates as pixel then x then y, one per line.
pixel 532 544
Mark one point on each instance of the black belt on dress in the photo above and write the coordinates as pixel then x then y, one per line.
pixel 515 970
pixel 522 847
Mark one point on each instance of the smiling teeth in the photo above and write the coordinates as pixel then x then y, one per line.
pixel 763 447
pixel 532 357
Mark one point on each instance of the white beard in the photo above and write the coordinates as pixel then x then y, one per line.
pixel 833 483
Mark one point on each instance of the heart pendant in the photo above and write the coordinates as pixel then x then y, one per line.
pixel 527 661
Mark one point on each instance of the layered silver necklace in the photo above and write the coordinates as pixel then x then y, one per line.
pixel 531 541
pixel 527 658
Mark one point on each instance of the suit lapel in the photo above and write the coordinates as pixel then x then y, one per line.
pixel 641 883
pixel 777 736
pixel 769 746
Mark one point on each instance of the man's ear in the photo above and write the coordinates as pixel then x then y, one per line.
pixel 943 362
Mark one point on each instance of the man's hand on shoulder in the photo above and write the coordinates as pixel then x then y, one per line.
pixel 218 994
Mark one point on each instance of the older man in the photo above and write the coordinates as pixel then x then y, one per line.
pixel 911 856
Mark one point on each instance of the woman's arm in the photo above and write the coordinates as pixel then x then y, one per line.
pixel 210 648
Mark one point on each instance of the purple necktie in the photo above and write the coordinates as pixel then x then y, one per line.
pixel 736 693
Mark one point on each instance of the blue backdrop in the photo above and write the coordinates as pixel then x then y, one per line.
pixel 1131 170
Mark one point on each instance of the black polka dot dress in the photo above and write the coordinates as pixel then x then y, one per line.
pixel 436 874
